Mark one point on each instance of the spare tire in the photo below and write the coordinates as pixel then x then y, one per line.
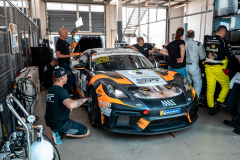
pixel 42 58
pixel 41 51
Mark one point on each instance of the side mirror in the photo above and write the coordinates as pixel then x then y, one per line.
pixel 79 66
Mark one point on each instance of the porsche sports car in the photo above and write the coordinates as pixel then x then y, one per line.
pixel 131 95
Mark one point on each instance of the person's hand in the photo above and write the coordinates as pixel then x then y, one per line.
pixel 179 60
pixel 74 55
pixel 239 60
pixel 150 51
pixel 73 34
pixel 88 100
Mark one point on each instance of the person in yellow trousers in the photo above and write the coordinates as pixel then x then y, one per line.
pixel 218 52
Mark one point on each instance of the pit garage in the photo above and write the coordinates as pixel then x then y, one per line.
pixel 119 79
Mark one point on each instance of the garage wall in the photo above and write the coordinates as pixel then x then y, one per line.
pixel 201 24
pixel 175 23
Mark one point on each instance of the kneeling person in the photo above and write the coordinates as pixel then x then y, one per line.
pixel 59 106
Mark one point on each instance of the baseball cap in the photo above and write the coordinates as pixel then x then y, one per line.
pixel 59 72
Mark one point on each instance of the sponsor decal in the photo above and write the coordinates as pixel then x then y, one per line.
pixel 143 75
pixel 169 112
pixel 145 49
pixel 95 54
pixel 99 91
pixel 213 46
pixel 105 104
pixel 169 86
pixel 105 111
pixel 49 97
pixel 101 59
pixel 143 123
pixel 139 105
pixel 209 49
pixel 167 103
pixel 212 56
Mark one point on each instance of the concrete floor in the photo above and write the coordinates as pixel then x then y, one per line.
pixel 207 139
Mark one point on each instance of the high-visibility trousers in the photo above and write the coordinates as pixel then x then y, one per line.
pixel 214 74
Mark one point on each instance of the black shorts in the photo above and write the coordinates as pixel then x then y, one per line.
pixel 72 127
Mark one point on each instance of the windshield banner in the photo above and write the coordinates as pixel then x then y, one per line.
pixel 143 77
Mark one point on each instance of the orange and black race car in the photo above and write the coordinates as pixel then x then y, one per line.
pixel 131 95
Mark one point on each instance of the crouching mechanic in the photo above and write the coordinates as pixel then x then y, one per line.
pixel 59 106
pixel 219 52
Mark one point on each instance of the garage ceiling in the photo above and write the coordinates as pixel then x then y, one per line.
pixel 130 3
pixel 79 1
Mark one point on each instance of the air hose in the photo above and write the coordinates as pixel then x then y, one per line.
pixel 50 142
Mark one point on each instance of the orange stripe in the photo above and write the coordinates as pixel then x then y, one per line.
pixel 122 80
pixel 169 76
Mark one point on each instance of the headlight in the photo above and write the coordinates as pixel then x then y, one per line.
pixel 115 92
pixel 187 85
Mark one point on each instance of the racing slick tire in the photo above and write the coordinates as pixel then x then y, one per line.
pixel 93 110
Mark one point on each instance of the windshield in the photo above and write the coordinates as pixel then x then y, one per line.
pixel 121 62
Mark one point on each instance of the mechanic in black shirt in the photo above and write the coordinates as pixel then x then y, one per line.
pixel 218 52
pixel 176 52
pixel 62 51
pixel 59 106
pixel 48 71
pixel 144 48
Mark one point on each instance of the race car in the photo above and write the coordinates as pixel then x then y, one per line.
pixel 131 95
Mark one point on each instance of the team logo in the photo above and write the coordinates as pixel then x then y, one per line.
pixel 213 46
pixel 167 103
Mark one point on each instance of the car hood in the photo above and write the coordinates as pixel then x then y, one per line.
pixel 145 83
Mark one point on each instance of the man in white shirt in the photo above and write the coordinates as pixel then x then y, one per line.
pixel 194 53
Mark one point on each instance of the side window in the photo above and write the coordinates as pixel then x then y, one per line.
pixel 84 59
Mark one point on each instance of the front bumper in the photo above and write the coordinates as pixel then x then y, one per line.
pixel 128 121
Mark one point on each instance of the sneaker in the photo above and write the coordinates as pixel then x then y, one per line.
pixel 56 138
pixel 237 131
pixel 228 123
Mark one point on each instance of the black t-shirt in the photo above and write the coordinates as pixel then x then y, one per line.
pixel 48 71
pixel 217 48
pixel 62 46
pixel 57 114
pixel 174 53
pixel 144 49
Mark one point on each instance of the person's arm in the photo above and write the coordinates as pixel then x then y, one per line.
pixel 182 53
pixel 71 104
pixel 164 51
pixel 155 49
pixel 59 55
pixel 71 46
pixel 201 52
pixel 132 47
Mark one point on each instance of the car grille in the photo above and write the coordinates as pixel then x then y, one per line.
pixel 193 111
pixel 123 120
pixel 168 120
